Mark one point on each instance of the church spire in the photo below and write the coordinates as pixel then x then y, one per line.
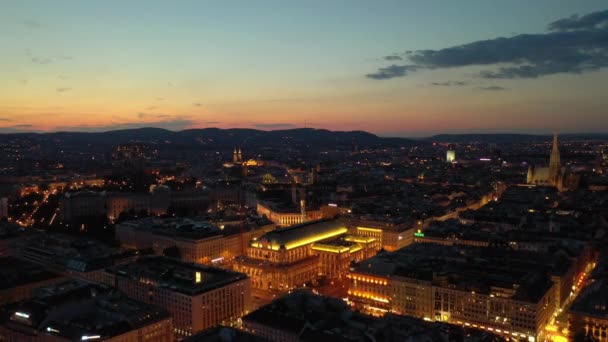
pixel 554 161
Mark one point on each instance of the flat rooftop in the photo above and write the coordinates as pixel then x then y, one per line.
pixel 16 272
pixel 593 301
pixel 182 277
pixel 174 227
pixel 101 311
pixel 468 268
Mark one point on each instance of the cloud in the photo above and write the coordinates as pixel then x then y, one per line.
pixel 176 123
pixel 393 58
pixel 41 60
pixel 37 59
pixel 572 45
pixel 211 122
pixel 63 89
pixel 595 20
pixel 197 104
pixel 153 116
pixel 492 88
pixel 274 125
pixel 449 84
pixel 392 72
pixel 21 128
pixel 32 24
pixel 5 119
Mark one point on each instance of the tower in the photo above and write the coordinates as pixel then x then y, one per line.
pixel 240 155
pixel 450 155
pixel 530 177
pixel 235 156
pixel 554 162
pixel 303 204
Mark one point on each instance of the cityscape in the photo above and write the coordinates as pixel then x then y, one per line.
pixel 456 191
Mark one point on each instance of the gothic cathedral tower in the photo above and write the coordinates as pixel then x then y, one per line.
pixel 554 163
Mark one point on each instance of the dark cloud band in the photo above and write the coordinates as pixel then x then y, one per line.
pixel 573 45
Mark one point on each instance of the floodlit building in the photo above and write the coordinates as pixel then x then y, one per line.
pixel 287 215
pixel 553 175
pixel 509 293
pixel 197 297
pixel 450 155
pixel 303 316
pixel 392 236
pixel 289 257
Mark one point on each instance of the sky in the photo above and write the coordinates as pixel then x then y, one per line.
pixel 394 68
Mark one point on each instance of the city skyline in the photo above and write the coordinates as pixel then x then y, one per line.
pixel 400 69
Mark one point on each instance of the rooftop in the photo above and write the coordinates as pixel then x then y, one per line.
pixel 16 272
pixel 317 318
pixel 185 228
pixel 100 311
pixel 593 301
pixel 299 235
pixel 186 278
pixel 224 334
pixel 468 268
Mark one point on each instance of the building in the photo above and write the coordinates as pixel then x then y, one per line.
pixel 18 278
pixel 197 297
pixel 283 215
pixel 79 311
pixel 224 334
pixel 392 236
pixel 3 207
pixel 286 258
pixel 450 155
pixel 72 256
pixel 509 293
pixel 197 241
pixel 554 175
pixel 303 316
pixel 237 156
pixel 588 315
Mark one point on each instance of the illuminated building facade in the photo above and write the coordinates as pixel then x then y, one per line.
pixel 450 155
pixel 554 175
pixel 335 256
pixel 79 311
pixel 286 258
pixel 197 297
pixel 437 283
pixel 287 216
pixel 391 236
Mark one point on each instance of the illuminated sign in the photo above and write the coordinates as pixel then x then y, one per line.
pixel 419 233
pixel 198 277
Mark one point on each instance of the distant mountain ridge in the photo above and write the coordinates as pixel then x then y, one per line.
pixel 511 137
pixel 221 138
pixel 216 137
